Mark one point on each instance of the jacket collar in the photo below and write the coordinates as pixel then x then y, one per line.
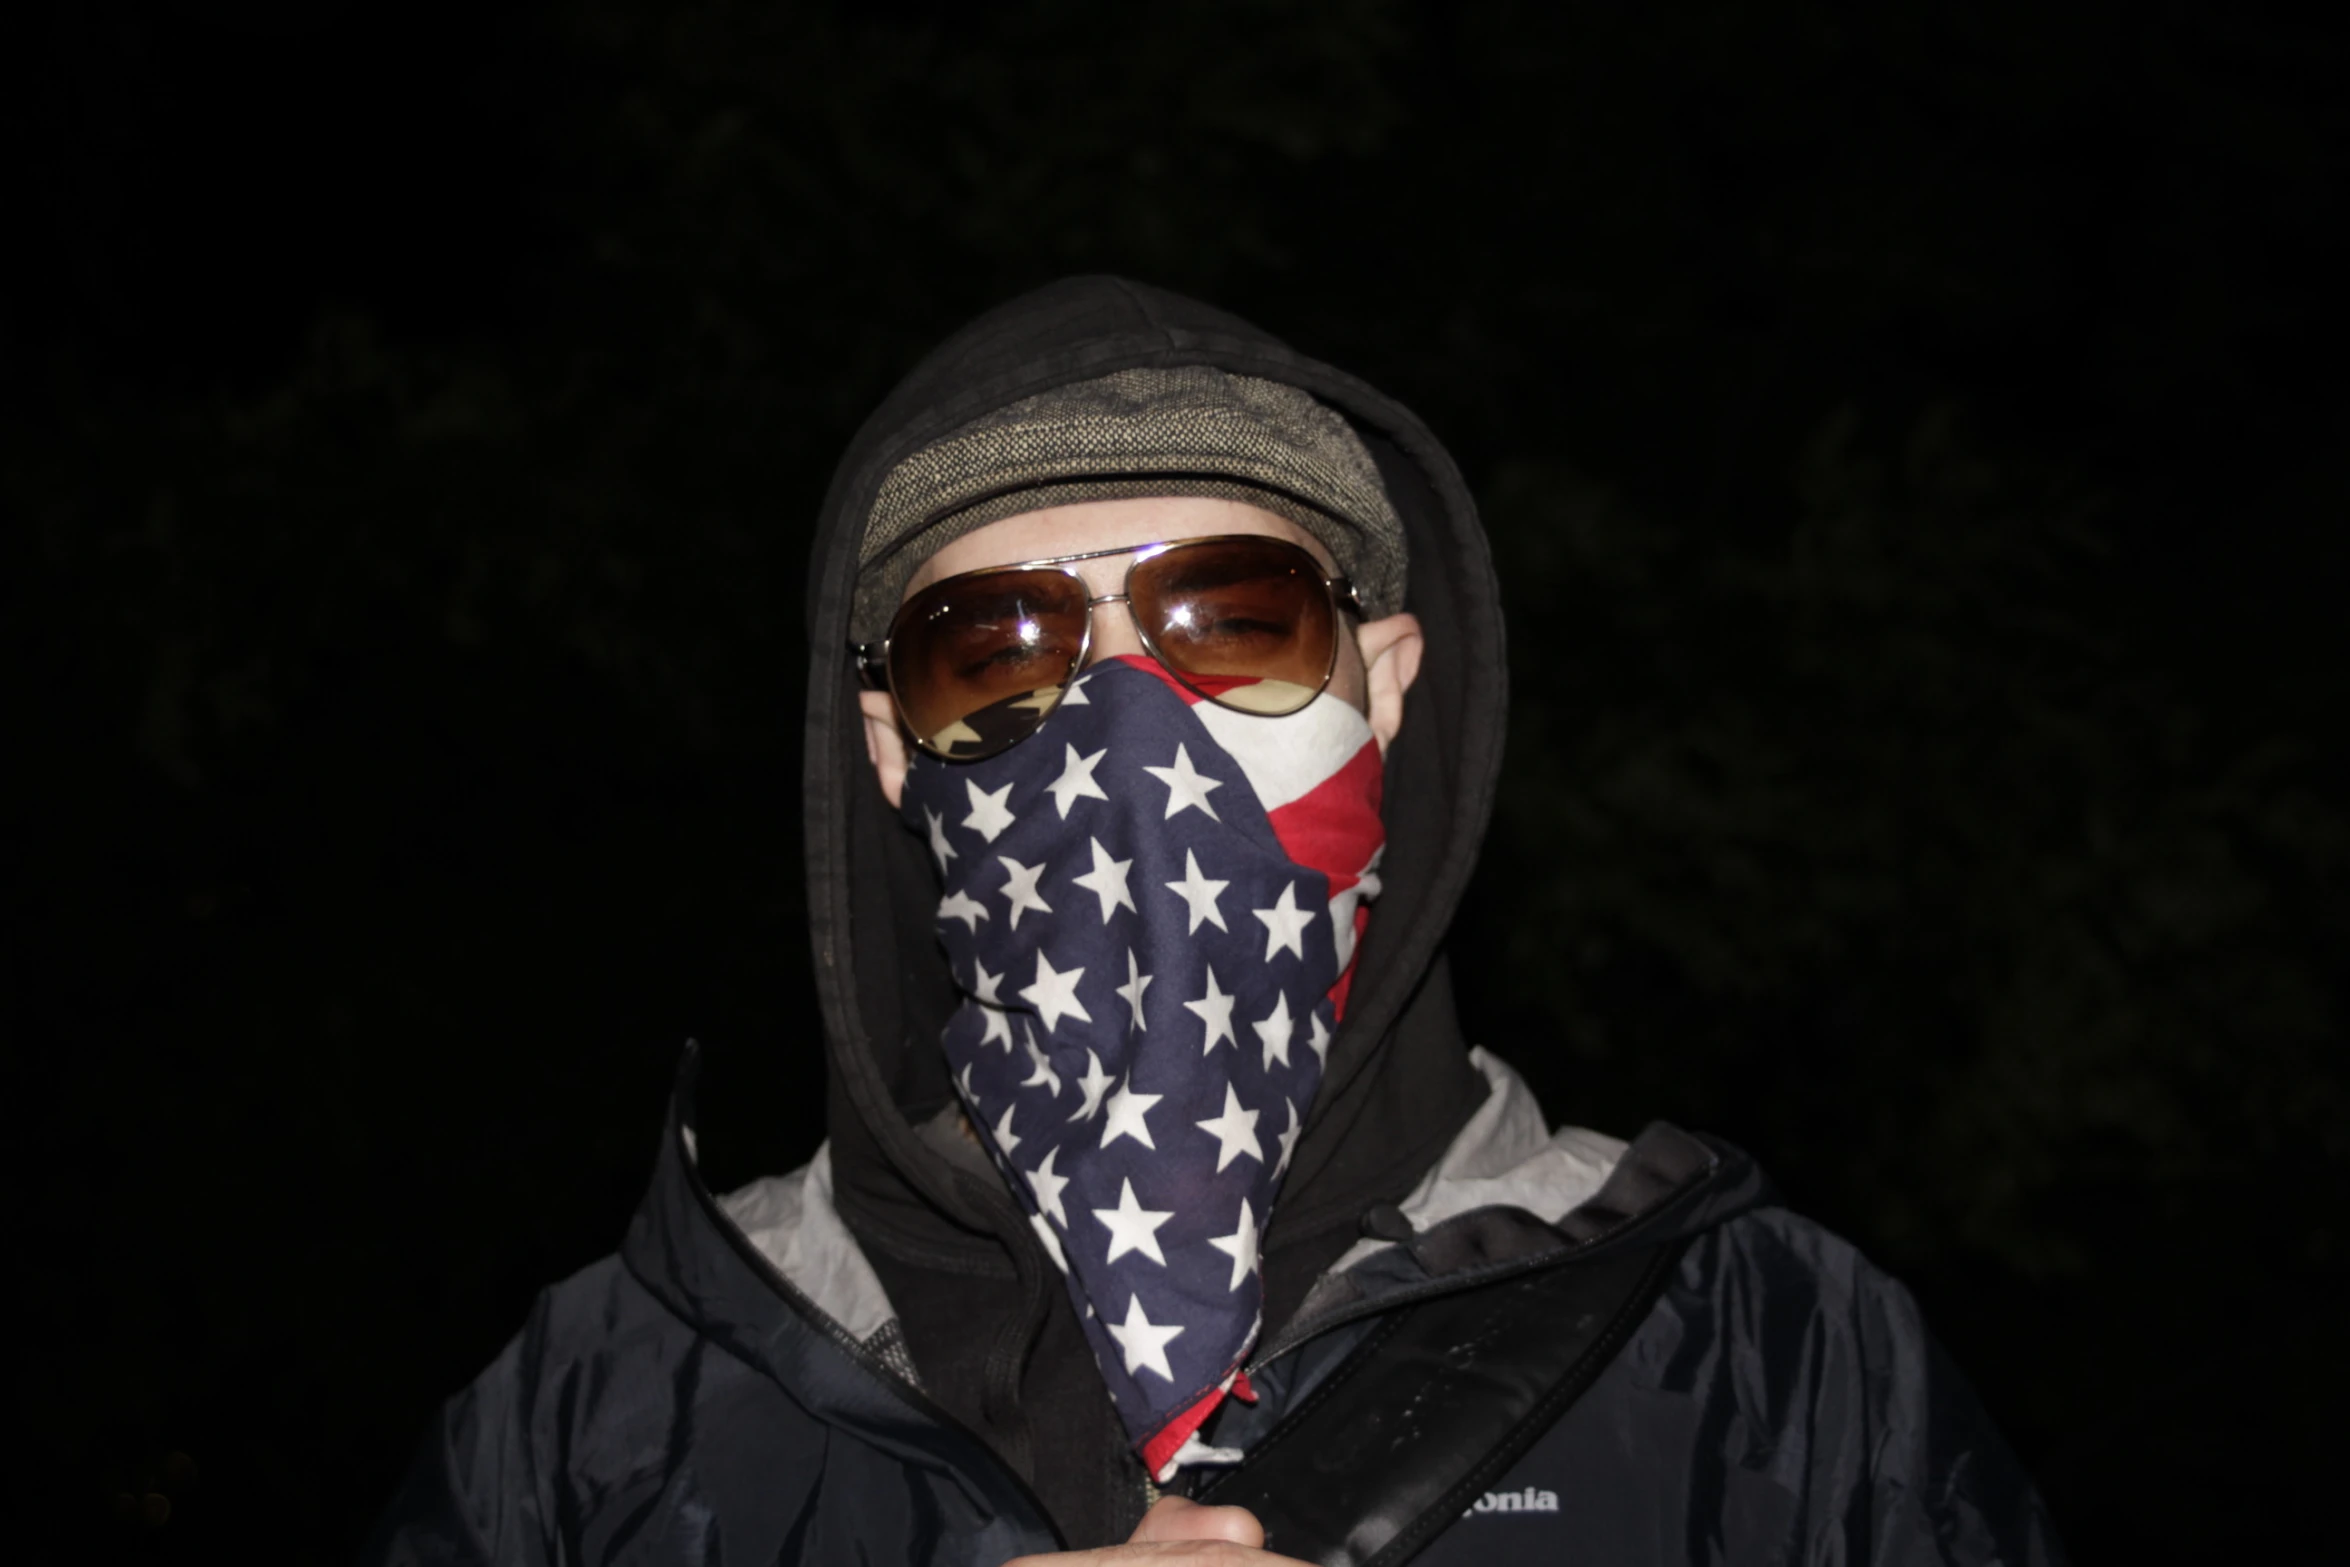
pixel 684 1249
pixel 1508 1193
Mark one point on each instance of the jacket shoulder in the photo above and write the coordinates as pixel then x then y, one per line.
pixel 1775 1267
pixel 1810 1388
pixel 585 1421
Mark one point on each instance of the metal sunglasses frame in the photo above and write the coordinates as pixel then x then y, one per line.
pixel 873 657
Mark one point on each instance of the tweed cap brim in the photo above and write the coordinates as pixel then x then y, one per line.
pixel 1188 430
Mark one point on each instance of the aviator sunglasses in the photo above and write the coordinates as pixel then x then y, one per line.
pixel 978 661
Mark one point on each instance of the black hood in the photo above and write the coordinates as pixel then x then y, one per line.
pixel 1399 1085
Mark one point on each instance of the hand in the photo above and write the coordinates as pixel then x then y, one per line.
pixel 1179 1533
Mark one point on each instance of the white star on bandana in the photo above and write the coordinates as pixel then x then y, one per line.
pixel 1186 789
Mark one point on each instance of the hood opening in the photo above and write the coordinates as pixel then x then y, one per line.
pixel 1399 1083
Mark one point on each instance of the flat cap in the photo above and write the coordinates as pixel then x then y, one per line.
pixel 1185 430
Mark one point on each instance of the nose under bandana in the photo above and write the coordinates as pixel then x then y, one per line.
pixel 1151 907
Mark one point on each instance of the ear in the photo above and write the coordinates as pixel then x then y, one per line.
pixel 1391 662
pixel 885 744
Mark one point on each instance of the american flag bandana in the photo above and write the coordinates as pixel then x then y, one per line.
pixel 1151 906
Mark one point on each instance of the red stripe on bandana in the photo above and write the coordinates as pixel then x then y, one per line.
pixel 1214 685
pixel 1161 1449
pixel 1334 828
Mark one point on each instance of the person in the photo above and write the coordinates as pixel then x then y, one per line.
pixel 1155 714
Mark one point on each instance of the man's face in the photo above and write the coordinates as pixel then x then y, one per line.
pixel 1376 663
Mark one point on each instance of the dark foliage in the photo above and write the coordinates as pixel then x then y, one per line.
pixel 1913 441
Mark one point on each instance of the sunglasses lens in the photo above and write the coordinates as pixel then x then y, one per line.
pixel 977 662
pixel 1246 621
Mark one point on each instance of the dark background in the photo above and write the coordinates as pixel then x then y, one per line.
pixel 1913 438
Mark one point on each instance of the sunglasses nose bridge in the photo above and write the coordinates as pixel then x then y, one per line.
pixel 1102 640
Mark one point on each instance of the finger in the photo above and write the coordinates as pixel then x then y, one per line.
pixel 1175 1518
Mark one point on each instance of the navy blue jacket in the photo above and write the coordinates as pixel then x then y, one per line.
pixel 685 1402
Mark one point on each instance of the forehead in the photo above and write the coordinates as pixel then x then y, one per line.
pixel 1106 525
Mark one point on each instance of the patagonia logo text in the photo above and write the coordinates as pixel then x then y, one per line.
pixel 1527 1501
